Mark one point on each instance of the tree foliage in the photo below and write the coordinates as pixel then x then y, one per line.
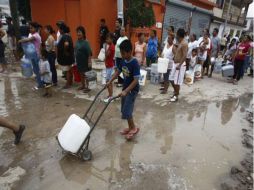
pixel 139 13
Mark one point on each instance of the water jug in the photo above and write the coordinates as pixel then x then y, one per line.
pixel 103 76
pixel 163 65
pixel 29 50
pixel 26 68
pixel 148 76
pixel 154 68
pixel 73 133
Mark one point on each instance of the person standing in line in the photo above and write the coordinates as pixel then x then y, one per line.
pixel 131 71
pixel 242 52
pixel 171 31
pixel 17 130
pixel 223 43
pixel 103 32
pixel 109 63
pixel 24 29
pixel 193 44
pixel 83 55
pixel 140 49
pixel 204 45
pixel 152 48
pixel 58 34
pixel 51 53
pixel 117 33
pixel 168 52
pixel 11 35
pixel 118 56
pixel 46 75
pixel 3 62
pixel 215 41
pixel 179 67
pixel 35 38
pixel 65 54
pixel 231 50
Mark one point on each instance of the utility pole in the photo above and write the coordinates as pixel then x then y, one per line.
pixel 15 16
pixel 226 21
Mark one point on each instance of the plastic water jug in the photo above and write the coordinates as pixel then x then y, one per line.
pixel 189 77
pixel 155 78
pixel 228 71
pixel 154 68
pixel 163 65
pixel 103 76
pixel 29 50
pixel 217 67
pixel 26 68
pixel 73 133
pixel 148 76
pixel 142 79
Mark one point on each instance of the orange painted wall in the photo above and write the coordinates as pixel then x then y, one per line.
pixel 91 11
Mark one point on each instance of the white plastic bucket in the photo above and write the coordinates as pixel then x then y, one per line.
pixel 163 65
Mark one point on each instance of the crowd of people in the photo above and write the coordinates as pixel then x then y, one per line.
pixel 184 52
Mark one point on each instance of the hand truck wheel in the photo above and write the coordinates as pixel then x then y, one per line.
pixel 87 155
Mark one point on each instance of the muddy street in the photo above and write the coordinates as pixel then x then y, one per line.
pixel 190 145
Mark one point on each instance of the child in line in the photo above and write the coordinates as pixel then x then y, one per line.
pixel 109 63
pixel 131 72
pixel 46 76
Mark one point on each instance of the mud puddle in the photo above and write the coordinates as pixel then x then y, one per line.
pixel 180 146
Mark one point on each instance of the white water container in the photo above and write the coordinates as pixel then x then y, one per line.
pixel 73 133
pixel 163 65
pixel 142 79
pixel 189 77
pixel 103 76
pixel 154 68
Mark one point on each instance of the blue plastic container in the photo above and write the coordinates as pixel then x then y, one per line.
pixel 26 68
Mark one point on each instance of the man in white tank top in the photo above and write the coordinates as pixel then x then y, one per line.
pixel 168 52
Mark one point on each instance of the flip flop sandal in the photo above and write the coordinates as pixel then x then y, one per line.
pixel 164 92
pixel 174 99
pixel 86 90
pixel 81 88
pixel 131 134
pixel 125 131
pixel 162 88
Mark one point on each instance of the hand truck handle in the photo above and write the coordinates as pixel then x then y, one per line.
pixel 95 98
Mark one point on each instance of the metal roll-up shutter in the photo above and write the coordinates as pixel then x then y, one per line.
pixel 176 16
pixel 200 21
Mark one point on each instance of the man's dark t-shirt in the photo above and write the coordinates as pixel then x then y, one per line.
pixel 103 33
pixel 116 35
pixel 24 30
pixel 130 70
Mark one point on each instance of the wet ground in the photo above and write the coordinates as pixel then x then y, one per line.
pixel 192 144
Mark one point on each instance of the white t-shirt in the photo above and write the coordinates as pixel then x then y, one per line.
pixel 166 41
pixel 45 68
pixel 191 46
pixel 117 47
pixel 204 55
pixel 168 53
pixel 193 61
